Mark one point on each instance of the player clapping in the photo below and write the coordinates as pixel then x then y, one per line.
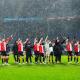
pixel 76 51
pixel 20 51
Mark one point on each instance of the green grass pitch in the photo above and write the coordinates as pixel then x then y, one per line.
pixel 62 71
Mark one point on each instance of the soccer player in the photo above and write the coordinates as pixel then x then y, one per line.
pixel 41 52
pixel 51 51
pixel 28 49
pixel 4 47
pixel 36 50
pixel 76 50
pixel 0 48
pixel 47 50
pixel 69 50
pixel 7 52
pixel 15 51
pixel 20 51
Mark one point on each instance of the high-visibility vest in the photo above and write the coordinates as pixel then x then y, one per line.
pixel 41 49
pixel 20 47
pixel 68 47
pixel 76 47
pixel 3 46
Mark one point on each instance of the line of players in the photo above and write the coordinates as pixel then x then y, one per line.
pixel 44 50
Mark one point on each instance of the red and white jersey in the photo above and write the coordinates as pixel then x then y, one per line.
pixel 41 49
pixel 68 46
pixel 36 47
pixel 4 43
pixel 0 45
pixel 3 46
pixel 20 46
pixel 76 47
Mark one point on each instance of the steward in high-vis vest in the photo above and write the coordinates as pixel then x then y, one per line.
pixel 69 50
pixel 76 51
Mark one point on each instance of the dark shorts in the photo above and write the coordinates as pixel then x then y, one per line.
pixel 69 53
pixel 51 53
pixel 28 54
pixel 36 53
pixel 20 54
pixel 4 53
pixel 76 53
pixel 41 54
pixel 15 53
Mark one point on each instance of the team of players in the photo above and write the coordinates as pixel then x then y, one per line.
pixel 43 50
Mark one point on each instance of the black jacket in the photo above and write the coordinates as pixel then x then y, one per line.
pixel 57 48
pixel 28 48
pixel 15 48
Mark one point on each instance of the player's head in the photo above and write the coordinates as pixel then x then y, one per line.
pixel 47 41
pixel 27 39
pixel 57 39
pixel 56 42
pixel 67 40
pixel 29 42
pixel 77 42
pixel 19 39
pixel 36 40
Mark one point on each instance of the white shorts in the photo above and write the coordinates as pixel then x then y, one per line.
pixel 47 53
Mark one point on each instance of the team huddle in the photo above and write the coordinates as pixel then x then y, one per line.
pixel 43 50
